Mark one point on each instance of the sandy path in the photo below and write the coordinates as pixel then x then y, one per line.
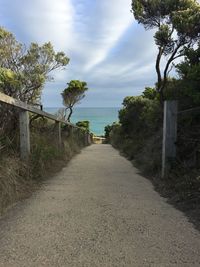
pixel 97 212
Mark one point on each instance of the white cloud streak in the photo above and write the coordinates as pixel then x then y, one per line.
pixel 99 27
pixel 105 45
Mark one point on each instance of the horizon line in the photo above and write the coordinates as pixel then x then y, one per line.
pixel 81 107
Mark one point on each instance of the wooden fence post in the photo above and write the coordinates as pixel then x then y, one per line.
pixel 89 139
pixel 24 124
pixel 169 135
pixel 24 135
pixel 58 134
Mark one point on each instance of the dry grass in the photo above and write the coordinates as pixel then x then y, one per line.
pixel 15 181
pixel 18 180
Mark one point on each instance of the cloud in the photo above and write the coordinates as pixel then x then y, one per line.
pixel 40 21
pixel 130 65
pixel 99 25
pixel 106 46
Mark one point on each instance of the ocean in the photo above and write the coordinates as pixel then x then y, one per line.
pixel 98 117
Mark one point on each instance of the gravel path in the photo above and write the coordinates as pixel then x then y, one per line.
pixel 97 212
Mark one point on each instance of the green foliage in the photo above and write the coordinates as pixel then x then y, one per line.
pixel 155 13
pixel 85 125
pixel 107 130
pixel 140 122
pixel 187 20
pixel 150 93
pixel 9 81
pixel 187 87
pixel 152 13
pixel 177 25
pixel 115 135
pixel 189 69
pixel 163 38
pixel 24 70
pixel 139 115
pixel 73 94
pixel 110 129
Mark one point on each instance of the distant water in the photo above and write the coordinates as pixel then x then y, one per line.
pixel 98 117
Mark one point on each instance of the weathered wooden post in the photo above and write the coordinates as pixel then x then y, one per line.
pixel 78 134
pixel 86 138
pixel 58 134
pixel 169 135
pixel 89 138
pixel 24 135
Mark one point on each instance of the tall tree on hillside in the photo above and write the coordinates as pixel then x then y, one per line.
pixel 73 94
pixel 23 71
pixel 177 24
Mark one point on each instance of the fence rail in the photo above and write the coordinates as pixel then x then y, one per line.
pixel 191 110
pixel 24 123
pixel 26 107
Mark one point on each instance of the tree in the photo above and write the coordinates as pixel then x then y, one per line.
pixel 108 128
pixel 186 88
pixel 23 71
pixel 189 69
pixel 85 125
pixel 150 93
pixel 73 94
pixel 177 24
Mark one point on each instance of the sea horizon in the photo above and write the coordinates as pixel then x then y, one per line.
pixel 79 107
pixel 99 117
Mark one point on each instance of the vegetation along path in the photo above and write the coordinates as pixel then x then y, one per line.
pixel 99 211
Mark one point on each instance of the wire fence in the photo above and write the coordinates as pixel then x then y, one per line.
pixel 188 136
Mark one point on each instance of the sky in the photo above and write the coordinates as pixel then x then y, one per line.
pixel 106 46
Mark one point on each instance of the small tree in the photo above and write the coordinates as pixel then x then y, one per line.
pixel 178 27
pixel 72 95
pixel 107 130
pixel 85 125
pixel 24 71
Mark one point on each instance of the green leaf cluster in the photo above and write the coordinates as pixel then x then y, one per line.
pixel 139 115
pixel 177 25
pixel 73 94
pixel 24 71
pixel 186 87
pixel 85 125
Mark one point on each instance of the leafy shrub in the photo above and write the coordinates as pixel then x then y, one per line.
pixel 85 125
pixel 138 132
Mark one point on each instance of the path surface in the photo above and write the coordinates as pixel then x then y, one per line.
pixel 97 212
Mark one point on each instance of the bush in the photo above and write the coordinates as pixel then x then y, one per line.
pixel 138 133
pixel 85 125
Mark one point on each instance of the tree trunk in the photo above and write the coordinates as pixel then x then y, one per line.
pixel 70 114
pixel 159 76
